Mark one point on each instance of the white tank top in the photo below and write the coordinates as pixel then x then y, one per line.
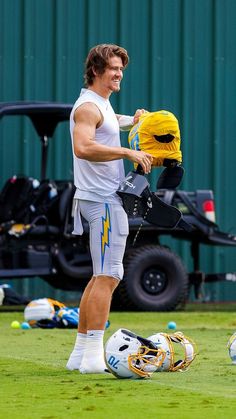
pixel 98 181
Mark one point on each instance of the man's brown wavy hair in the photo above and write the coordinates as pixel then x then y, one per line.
pixel 98 58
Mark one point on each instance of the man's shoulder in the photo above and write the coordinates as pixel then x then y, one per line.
pixel 87 110
pixel 88 105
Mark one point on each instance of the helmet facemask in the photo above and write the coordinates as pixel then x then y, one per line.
pixel 187 350
pixel 146 361
pixel 190 353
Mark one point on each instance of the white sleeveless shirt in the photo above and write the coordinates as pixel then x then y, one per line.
pixel 98 181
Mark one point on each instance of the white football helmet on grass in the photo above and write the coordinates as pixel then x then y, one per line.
pixel 130 356
pixel 231 345
pixel 168 342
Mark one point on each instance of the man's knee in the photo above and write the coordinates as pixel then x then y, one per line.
pixel 108 282
pixel 115 271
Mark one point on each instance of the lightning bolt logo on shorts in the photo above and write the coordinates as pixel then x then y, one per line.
pixel 105 234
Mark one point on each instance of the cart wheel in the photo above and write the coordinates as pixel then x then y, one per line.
pixel 155 279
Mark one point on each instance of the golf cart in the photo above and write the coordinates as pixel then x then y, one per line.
pixel 36 223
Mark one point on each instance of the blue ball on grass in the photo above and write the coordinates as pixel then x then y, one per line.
pixel 171 325
pixel 25 326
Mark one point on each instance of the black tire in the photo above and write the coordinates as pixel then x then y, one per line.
pixel 155 279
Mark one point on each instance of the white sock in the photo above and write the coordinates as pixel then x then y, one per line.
pixel 93 360
pixel 77 353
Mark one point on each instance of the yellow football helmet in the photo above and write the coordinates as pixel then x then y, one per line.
pixel 157 133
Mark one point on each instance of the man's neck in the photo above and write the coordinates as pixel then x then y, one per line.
pixel 100 91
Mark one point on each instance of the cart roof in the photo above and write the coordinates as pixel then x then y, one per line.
pixel 44 115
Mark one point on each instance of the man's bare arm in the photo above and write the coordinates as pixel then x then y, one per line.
pixel 87 119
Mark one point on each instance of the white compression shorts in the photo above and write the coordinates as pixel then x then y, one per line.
pixel 108 229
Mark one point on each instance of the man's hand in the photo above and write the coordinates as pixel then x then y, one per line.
pixel 142 158
pixel 137 114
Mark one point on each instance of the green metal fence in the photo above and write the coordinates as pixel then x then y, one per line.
pixel 182 58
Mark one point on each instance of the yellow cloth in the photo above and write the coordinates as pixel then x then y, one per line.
pixel 141 136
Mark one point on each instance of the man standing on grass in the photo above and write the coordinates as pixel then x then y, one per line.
pixel 98 171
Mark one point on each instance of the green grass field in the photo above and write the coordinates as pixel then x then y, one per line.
pixel 35 383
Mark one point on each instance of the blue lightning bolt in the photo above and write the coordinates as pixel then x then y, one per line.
pixel 134 143
pixel 106 229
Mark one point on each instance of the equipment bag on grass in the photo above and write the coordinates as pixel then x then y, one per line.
pixel 42 312
pixel 48 313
